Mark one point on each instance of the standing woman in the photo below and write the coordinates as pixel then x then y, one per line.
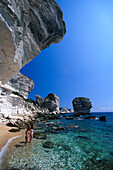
pixel 31 132
pixel 27 134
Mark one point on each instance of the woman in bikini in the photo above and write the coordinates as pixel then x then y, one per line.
pixel 31 132
pixel 27 134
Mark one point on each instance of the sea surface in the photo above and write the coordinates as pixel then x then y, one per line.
pixel 86 144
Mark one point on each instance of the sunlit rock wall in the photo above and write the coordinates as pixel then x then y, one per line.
pixel 21 84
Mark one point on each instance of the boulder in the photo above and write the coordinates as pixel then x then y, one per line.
pixel 29 26
pixel 102 118
pixel 65 110
pixel 51 102
pixel 39 100
pixel 81 105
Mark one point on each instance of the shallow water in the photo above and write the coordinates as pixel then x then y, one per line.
pixel 88 146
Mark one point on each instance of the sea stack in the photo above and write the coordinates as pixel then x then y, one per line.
pixel 81 105
pixel 52 102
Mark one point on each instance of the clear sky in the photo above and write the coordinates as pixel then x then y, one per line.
pixel 81 65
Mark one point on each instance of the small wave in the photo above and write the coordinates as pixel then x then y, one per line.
pixel 5 147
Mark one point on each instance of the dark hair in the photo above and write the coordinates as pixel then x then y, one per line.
pixel 31 126
pixel 28 126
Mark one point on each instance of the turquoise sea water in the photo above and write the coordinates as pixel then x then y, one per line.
pixel 88 146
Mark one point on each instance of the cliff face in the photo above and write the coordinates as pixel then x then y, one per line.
pixel 14 107
pixel 12 98
pixel 26 28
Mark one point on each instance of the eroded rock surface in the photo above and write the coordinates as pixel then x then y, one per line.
pixel 51 102
pixel 14 107
pixel 65 110
pixel 27 27
pixel 39 100
pixel 21 84
pixel 81 105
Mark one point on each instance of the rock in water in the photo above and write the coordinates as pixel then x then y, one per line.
pixel 81 105
pixel 65 110
pixel 51 102
pixel 48 144
pixel 91 117
pixel 102 118
pixel 26 28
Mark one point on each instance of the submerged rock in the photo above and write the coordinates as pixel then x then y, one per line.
pixel 59 128
pixel 48 144
pixel 52 131
pixel 81 105
pixel 91 117
pixel 84 137
pixel 50 117
pixel 39 135
pixel 73 126
pixel 69 117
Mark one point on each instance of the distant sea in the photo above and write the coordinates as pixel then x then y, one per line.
pixel 88 146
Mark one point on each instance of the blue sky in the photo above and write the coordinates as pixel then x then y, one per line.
pixel 81 65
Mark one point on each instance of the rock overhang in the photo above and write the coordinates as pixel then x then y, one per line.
pixel 31 27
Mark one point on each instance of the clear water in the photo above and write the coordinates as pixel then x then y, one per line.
pixel 90 146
